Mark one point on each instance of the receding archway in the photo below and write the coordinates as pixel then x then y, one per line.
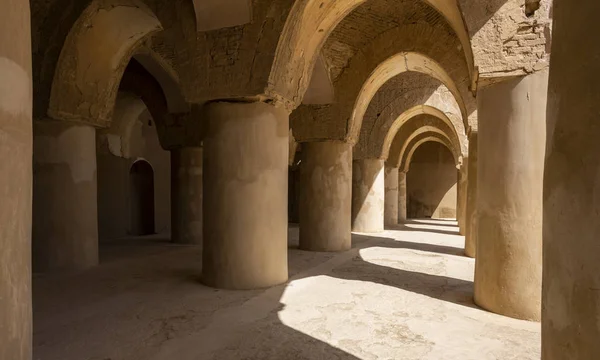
pixel 141 190
pixel 431 183
pixel 94 57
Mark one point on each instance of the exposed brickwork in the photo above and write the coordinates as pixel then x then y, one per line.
pixel 436 42
pixel 506 41
pixel 397 96
pixel 371 20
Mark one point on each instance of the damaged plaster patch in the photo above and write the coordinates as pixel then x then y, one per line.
pixel 15 88
pixel 531 6
pixel 114 144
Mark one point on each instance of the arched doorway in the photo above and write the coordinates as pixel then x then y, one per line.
pixel 141 186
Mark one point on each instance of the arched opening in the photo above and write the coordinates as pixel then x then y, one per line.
pixel 432 183
pixel 141 189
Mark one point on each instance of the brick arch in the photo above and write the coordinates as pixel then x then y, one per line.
pixel 309 24
pixel 416 111
pixel 338 121
pixel 93 59
pixel 417 142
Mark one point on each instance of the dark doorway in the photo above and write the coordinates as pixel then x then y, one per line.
pixel 141 185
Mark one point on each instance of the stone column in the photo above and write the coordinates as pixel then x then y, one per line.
pixel 391 196
pixel 368 193
pixel 512 134
pixel 326 196
pixel 15 180
pixel 471 208
pixel 402 215
pixel 245 195
pixel 462 196
pixel 571 230
pixel 186 195
pixel 65 208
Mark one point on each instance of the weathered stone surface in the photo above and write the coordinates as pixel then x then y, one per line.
pixel 471 214
pixel 512 128
pixel 368 195
pixel 391 196
pixel 245 180
pixel 65 192
pixel 15 181
pixel 325 196
pixel 186 195
pixel 571 276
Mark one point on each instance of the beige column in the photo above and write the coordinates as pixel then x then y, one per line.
pixel 368 193
pixel 245 195
pixel 462 196
pixel 512 128
pixel 571 230
pixel 65 208
pixel 391 196
pixel 471 209
pixel 186 195
pixel 15 180
pixel 402 199
pixel 325 196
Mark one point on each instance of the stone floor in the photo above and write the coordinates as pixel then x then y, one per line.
pixel 403 294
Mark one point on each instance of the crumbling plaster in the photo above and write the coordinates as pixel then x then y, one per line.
pixel 507 42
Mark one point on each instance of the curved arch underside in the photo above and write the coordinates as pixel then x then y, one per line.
pixel 385 116
pixel 94 57
pixel 310 23
pixel 417 127
pixel 400 63
pixel 414 112
pixel 406 166
pixel 420 139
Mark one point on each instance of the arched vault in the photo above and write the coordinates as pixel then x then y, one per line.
pixel 417 126
pixel 370 68
pixel 93 59
pixel 397 64
pixel 310 23
pixel 459 147
pixel 406 159
pixel 401 96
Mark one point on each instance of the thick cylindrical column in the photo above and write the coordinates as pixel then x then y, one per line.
pixel 571 235
pixel 15 180
pixel 368 193
pixel 462 196
pixel 186 195
pixel 245 195
pixel 471 209
pixel 65 208
pixel 402 215
pixel 512 128
pixel 391 196
pixel 326 196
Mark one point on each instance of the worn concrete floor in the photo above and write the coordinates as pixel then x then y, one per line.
pixel 402 294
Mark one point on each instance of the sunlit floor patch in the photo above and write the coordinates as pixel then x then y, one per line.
pixel 403 294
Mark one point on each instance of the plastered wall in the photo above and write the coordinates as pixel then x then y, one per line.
pixel 114 211
pixel 431 183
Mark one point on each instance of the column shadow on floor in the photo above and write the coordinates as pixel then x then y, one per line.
pixel 251 330
pixel 407 227
pixel 440 287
